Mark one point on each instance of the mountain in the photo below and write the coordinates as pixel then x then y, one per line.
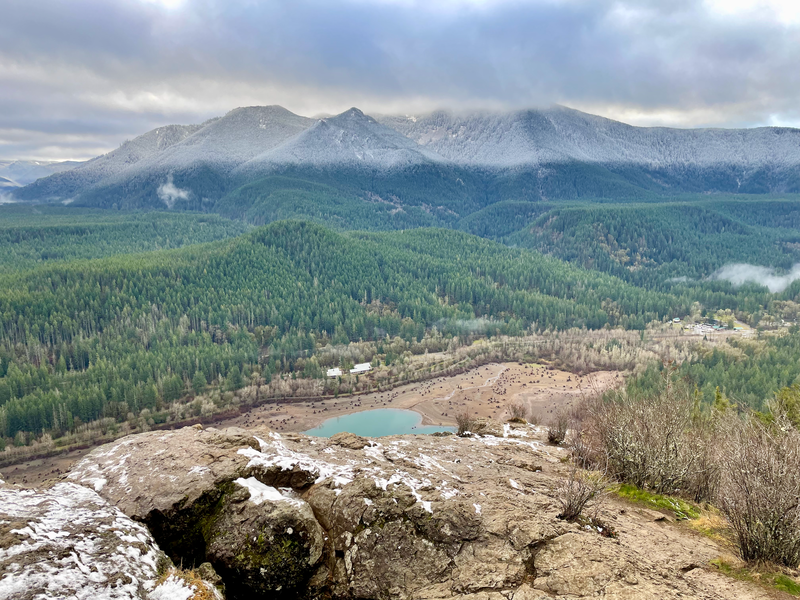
pixel 446 162
pixel 176 165
pixel 230 141
pixel 534 137
pixel 7 183
pixel 64 186
pixel 351 139
pixel 743 160
pixel 23 172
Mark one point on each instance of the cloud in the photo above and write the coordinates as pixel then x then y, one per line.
pixel 740 274
pixel 168 193
pixel 107 70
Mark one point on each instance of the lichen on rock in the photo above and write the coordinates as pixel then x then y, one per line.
pixel 397 518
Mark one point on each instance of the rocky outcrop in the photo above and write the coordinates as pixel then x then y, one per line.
pixel 68 542
pixel 411 517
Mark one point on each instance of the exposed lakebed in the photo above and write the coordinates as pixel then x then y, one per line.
pixel 376 423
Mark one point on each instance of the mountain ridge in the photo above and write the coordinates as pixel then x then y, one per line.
pixel 531 155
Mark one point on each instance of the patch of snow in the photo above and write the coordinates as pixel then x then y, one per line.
pixel 173 588
pixel 69 552
pixel 477 508
pixel 260 492
pixel 276 454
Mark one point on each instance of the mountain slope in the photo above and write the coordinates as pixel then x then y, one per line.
pixel 23 172
pixel 64 186
pixel 351 139
pixel 745 160
pixel 533 137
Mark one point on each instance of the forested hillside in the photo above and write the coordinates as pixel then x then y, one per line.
pixel 106 337
pixel 32 235
pixel 653 243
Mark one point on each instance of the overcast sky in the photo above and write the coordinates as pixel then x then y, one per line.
pixel 78 78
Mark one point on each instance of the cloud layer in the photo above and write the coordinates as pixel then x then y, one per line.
pixel 77 78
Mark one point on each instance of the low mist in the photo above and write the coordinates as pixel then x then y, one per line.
pixel 169 193
pixel 741 273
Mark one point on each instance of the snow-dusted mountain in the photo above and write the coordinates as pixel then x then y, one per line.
pixel 559 134
pixel 23 172
pixel 68 184
pixel 351 139
pixel 485 157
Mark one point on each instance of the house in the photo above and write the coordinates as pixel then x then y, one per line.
pixel 336 372
pixel 362 368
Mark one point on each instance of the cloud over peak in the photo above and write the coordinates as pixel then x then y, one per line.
pixel 101 71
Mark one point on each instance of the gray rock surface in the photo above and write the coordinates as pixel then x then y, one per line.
pixel 407 517
pixel 67 542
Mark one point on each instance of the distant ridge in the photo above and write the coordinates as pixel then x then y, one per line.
pixel 533 137
pixel 23 172
pixel 441 159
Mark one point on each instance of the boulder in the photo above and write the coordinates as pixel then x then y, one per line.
pixel 68 542
pixel 395 518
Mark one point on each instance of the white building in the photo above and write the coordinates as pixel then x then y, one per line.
pixel 337 372
pixel 362 368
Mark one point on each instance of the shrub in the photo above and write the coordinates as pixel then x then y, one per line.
pixel 580 491
pixel 518 412
pixel 648 438
pixel 759 491
pixel 557 428
pixel 467 424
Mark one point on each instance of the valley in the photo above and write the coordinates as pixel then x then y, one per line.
pixel 591 309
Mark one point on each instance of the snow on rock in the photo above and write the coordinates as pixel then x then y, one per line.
pixel 67 542
pixel 260 492
pixel 173 588
pixel 349 139
pixel 403 516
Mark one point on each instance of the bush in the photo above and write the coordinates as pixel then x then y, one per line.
pixel 518 412
pixel 581 490
pixel 467 424
pixel 759 490
pixel 650 439
pixel 557 428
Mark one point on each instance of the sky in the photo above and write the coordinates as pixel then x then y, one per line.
pixel 79 78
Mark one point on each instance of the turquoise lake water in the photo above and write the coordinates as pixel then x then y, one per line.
pixel 376 423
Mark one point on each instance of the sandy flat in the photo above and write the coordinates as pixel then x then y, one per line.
pixel 486 391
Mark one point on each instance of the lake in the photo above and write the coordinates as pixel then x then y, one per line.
pixel 376 423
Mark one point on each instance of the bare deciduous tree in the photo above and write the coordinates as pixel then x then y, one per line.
pixel 644 438
pixel 467 424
